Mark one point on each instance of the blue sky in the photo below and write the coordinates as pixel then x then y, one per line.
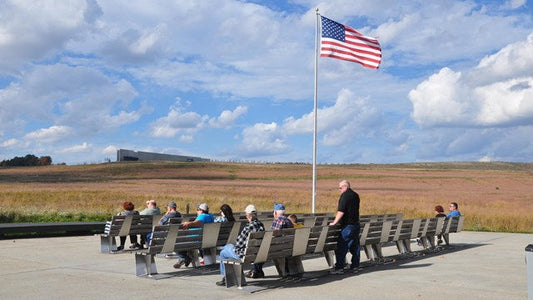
pixel 233 80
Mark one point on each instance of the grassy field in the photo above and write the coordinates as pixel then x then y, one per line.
pixel 493 196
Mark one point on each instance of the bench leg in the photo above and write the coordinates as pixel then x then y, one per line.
pixel 296 268
pixel 210 256
pixel 195 257
pixel 107 244
pixel 330 257
pixel 234 275
pixel 431 241
pixel 407 245
pixel 400 247
pixel 280 267
pixel 377 249
pixel 369 252
pixel 446 237
pixel 145 265
pixel 289 266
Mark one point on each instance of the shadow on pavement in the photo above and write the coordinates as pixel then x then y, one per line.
pixel 313 278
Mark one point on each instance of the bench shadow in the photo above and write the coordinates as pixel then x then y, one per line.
pixel 394 262
pixel 318 277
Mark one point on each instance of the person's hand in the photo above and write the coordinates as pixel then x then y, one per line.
pixel 185 225
pixel 332 223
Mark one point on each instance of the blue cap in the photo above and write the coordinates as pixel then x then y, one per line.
pixel 279 206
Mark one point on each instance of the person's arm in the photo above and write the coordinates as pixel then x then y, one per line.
pixel 338 217
pixel 192 224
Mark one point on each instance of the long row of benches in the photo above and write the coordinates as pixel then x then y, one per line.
pixel 168 239
pixel 292 244
pixel 288 244
pixel 401 232
pixel 139 224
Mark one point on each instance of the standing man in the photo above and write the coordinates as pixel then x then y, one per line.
pixel 454 212
pixel 347 217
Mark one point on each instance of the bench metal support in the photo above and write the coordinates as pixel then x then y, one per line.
pixel 234 274
pixel 107 244
pixel 145 265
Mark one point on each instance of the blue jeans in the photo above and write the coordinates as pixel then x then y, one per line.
pixel 348 241
pixel 227 252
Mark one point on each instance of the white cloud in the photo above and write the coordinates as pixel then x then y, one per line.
pixel 49 135
pixel 110 150
pixel 82 148
pixel 495 93
pixel 77 97
pixel 442 31
pixel 349 116
pixel 514 4
pixel 35 30
pixel 228 117
pixel 11 143
pixel 263 140
pixel 176 122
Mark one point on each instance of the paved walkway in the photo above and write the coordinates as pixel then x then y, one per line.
pixel 478 265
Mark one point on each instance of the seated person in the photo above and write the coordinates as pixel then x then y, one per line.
pixel 237 251
pixel 294 220
pixel 203 217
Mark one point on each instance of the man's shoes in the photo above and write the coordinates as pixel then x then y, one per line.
pixel 258 274
pixel 136 246
pixel 353 269
pixel 221 282
pixel 255 274
pixel 180 263
pixel 439 242
pixel 336 271
pixel 119 248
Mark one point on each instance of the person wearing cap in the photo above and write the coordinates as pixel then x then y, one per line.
pixel 347 217
pixel 172 212
pixel 281 221
pixel 203 217
pixel 237 251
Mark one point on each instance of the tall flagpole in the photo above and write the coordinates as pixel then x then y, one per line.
pixel 315 107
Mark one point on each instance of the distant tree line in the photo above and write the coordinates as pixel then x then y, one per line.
pixel 27 161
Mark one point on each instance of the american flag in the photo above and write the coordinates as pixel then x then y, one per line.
pixel 343 42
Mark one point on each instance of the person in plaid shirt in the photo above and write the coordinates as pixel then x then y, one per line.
pixel 281 221
pixel 237 251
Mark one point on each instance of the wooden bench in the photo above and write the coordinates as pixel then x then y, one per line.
pixel 452 225
pixel 376 234
pixel 324 219
pixel 280 246
pixel 124 226
pixel 169 239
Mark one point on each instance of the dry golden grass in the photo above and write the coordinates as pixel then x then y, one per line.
pixel 493 196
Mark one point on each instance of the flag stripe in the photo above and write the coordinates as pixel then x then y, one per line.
pixel 345 43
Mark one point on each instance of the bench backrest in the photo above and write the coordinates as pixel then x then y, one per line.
pixel 452 224
pixel 126 225
pixel 169 238
pixel 272 244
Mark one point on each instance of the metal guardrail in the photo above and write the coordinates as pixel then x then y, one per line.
pixel 45 228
